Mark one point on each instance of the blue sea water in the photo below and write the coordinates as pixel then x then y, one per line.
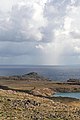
pixel 72 95
pixel 57 73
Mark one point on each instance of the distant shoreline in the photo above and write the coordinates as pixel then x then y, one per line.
pixel 34 80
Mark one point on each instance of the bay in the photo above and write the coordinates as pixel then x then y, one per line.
pixel 71 95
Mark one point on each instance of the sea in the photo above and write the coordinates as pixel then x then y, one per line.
pixel 56 73
pixel 70 95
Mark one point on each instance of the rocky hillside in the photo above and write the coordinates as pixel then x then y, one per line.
pixel 28 97
pixel 22 106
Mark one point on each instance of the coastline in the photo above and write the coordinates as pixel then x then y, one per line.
pixel 33 82
pixel 29 97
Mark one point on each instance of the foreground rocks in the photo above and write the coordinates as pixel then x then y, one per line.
pixel 22 106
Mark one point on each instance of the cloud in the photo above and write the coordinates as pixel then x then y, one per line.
pixel 75 34
pixel 23 23
pixel 48 31
pixel 8 49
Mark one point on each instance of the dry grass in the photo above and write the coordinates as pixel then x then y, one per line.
pixel 28 85
pixel 13 106
pixel 23 106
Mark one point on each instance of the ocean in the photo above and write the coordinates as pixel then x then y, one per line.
pixel 57 73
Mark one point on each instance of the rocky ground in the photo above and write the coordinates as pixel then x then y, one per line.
pixel 28 97
pixel 22 106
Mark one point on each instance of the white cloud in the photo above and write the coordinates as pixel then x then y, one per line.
pixel 49 30
pixel 24 21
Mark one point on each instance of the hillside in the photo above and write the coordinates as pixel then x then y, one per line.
pixel 29 97
pixel 22 106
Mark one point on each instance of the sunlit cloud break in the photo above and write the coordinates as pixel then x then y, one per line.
pixel 40 32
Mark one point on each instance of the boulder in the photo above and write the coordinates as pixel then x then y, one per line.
pixel 45 92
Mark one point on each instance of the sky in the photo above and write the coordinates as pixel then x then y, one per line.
pixel 39 32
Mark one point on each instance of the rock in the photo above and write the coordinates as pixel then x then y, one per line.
pixel 31 74
pixel 74 81
pixel 34 76
pixel 8 99
pixel 46 92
